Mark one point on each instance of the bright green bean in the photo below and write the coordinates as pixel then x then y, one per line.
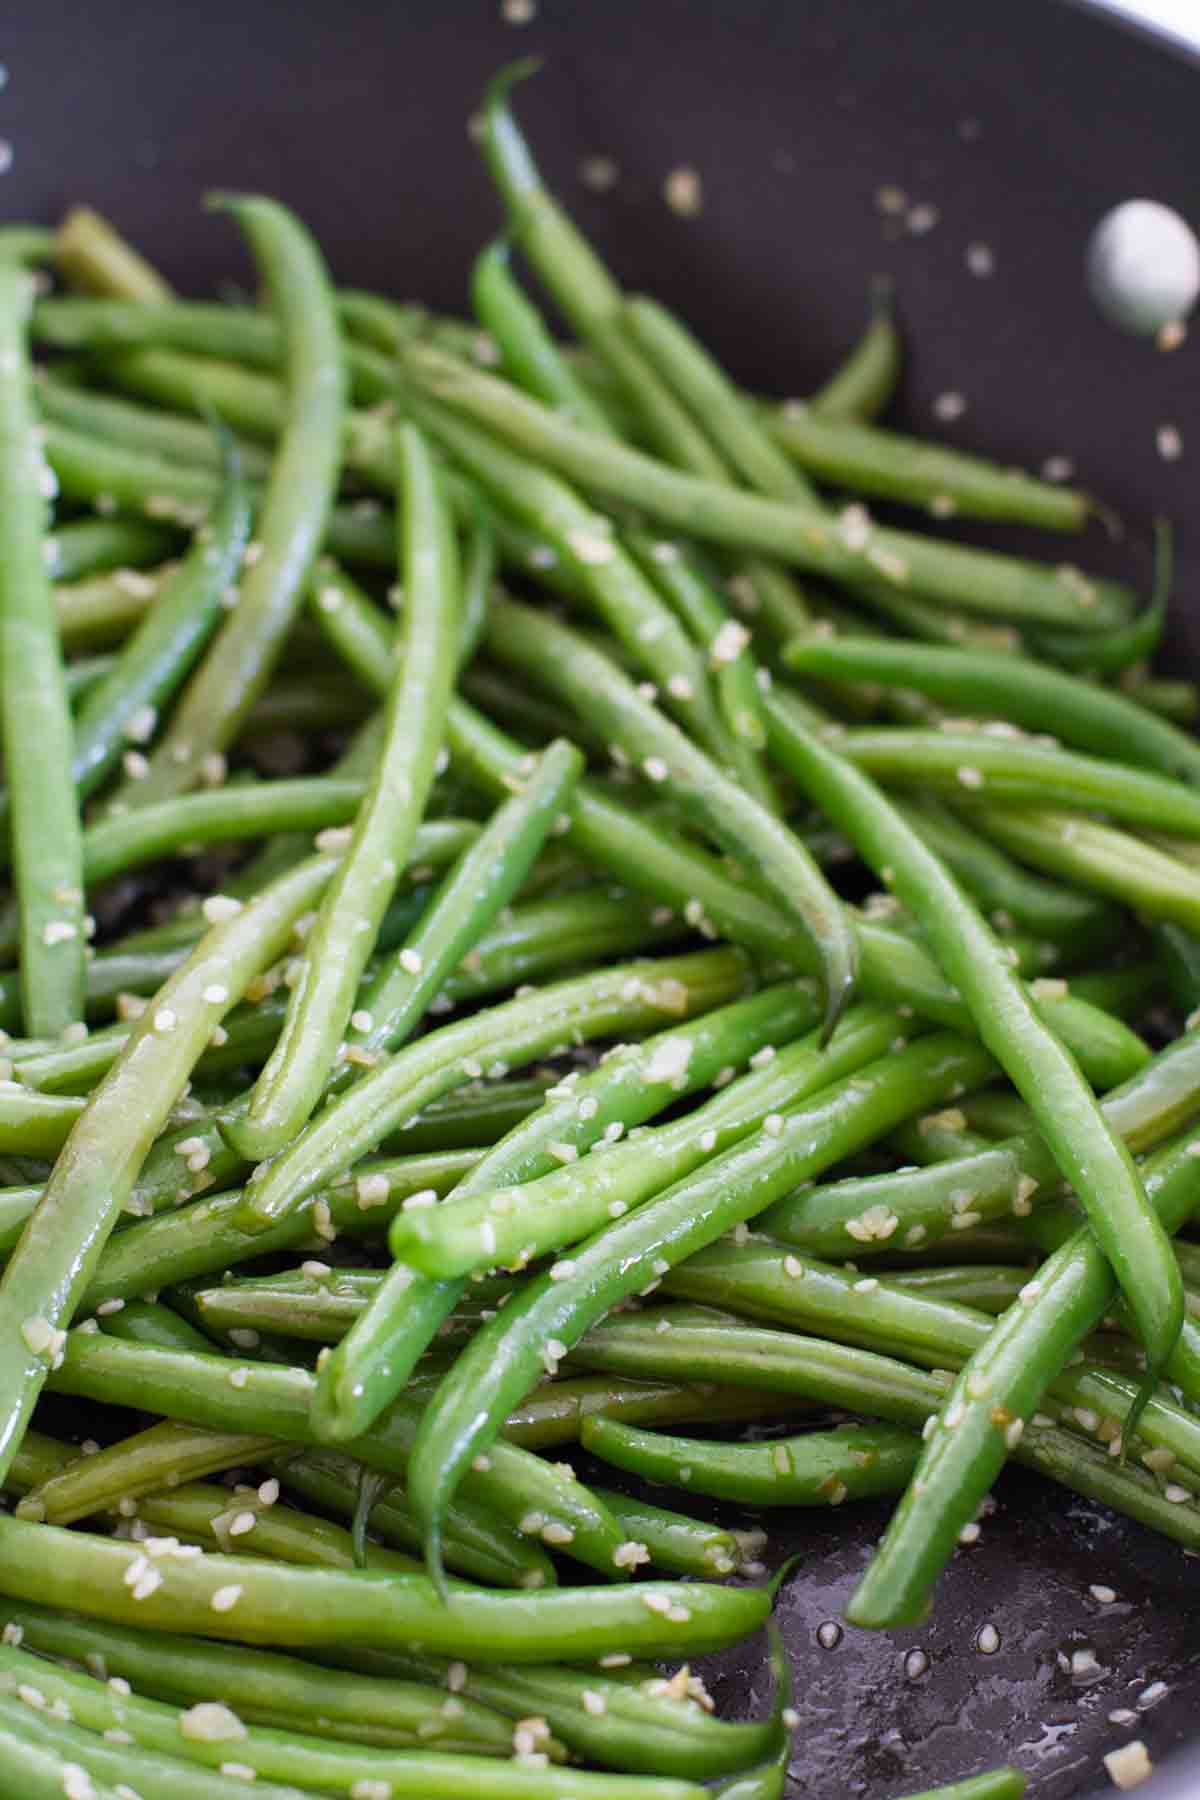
pixel 35 721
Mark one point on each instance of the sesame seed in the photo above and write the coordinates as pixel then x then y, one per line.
pixel 981 260
pixel 988 1641
pixel 218 909
pixel 829 1634
pixel 1168 440
pixel 226 1598
pixel 600 174
pixel 683 192
pixel 655 768
pixel 1129 1766
pixel 211 1722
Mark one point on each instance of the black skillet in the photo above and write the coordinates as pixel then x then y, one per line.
pixel 1020 121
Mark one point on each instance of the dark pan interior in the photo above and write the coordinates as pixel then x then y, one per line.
pixel 1021 123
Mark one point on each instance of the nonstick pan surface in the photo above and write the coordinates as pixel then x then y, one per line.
pixel 1020 122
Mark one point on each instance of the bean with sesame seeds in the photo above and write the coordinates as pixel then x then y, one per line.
pixel 158 655
pixel 299 1607
pixel 336 953
pixel 870 459
pixel 817 1468
pixel 1016 770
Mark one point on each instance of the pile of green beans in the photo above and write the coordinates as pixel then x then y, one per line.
pixel 596 939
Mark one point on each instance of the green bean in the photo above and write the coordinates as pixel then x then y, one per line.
pixel 277 1399
pixel 1085 1148
pixel 530 353
pixel 478 886
pixel 869 459
pixel 27 243
pixel 91 254
pixel 299 494
pixel 505 1357
pixel 35 1124
pixel 1100 857
pixel 40 1769
pixel 849 1462
pixel 1027 693
pixel 1003 888
pixel 524 1218
pixel 157 657
pixel 266 1688
pixel 85 547
pixel 152 1322
pixel 139 1465
pixel 322 997
pixel 119 421
pixel 478 1543
pixel 997 1114
pixel 862 387
pixel 597 689
pixel 618 999
pixel 653 1727
pixel 912 1208
pixel 681 1545
pixel 203 1238
pixel 265 1602
pixel 35 722
pixel 1178 701
pixel 995 1784
pixel 95 1172
pixel 1008 769
pixel 973 580
pixel 1001 1384
pixel 710 396
pixel 204 329
pixel 89 1757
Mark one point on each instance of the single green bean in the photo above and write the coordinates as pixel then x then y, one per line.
pixel 849 1462
pixel 292 524
pixel 35 721
pixel 865 382
pixel 91 254
pixel 82 547
pixel 1029 694
pixel 119 421
pixel 263 1602
pixel 1008 769
pixel 322 996
pixel 123 708
pixel 869 459
pixel 1112 862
